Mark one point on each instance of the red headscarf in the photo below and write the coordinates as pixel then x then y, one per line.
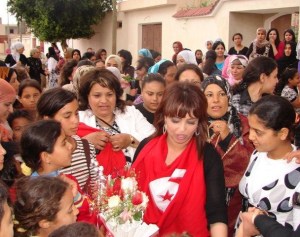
pixel 174 58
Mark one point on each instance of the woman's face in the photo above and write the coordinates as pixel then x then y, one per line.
pixel 68 117
pixel 140 73
pixel 190 76
pixel 103 55
pixel 14 81
pixel 102 101
pixel 170 75
pixel 152 94
pixel 180 61
pixel 237 39
pixel 62 153
pixel 7 222
pixel 176 48
pixel 18 125
pixel 5 109
pixel 220 50
pixel 288 37
pixel 199 55
pixel 269 82
pixel 260 36
pixel 180 130
pixel 21 50
pixel 76 56
pixel 264 139
pixel 273 35
pixel 67 213
pixel 217 101
pixel 237 71
pixel 29 98
pixel 295 80
pixel 287 50
pixel 112 63
pixel 208 45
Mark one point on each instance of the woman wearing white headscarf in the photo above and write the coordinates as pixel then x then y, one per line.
pixel 186 57
pixel 16 57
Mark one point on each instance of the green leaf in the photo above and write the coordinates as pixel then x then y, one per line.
pixel 138 216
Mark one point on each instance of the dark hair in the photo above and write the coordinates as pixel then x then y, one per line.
pixel 76 51
pixel 29 83
pixel 52 100
pixel 98 53
pixel 4 197
pixel 52 53
pixel 180 99
pixel 106 79
pixel 217 43
pixel 239 34
pixel 154 53
pixel 274 112
pixel 277 40
pixel 39 137
pixel 145 62
pixel 67 71
pixel 79 229
pixel 38 199
pixel 256 67
pixel 153 77
pixel 163 68
pixel 292 33
pixel 10 73
pixel 127 56
pixel 88 55
pixel 19 113
pixel 192 67
pixel 210 60
pixel 85 62
pixel 287 75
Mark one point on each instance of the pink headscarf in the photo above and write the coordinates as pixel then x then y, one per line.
pixel 7 92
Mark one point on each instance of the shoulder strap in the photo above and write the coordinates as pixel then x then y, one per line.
pixel 86 148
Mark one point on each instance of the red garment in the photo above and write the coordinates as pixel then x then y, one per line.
pixel 112 161
pixel 280 51
pixel 179 205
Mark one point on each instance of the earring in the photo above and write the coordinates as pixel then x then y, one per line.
pixel 197 133
pixel 164 129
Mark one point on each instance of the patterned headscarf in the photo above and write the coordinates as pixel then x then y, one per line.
pixel 231 116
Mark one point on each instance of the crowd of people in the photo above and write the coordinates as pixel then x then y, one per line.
pixel 212 138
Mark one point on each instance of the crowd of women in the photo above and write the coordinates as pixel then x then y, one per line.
pixel 208 137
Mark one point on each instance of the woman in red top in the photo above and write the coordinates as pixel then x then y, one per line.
pixel 181 173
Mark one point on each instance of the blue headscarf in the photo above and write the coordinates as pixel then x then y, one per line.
pixel 155 67
pixel 145 53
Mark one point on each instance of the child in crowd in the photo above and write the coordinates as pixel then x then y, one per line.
pixel 43 205
pixel 271 121
pixel 45 149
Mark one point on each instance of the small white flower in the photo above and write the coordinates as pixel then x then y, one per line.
pixel 114 201
pixel 128 185
pixel 145 200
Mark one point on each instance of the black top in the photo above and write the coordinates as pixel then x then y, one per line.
pixel 269 227
pixel 35 69
pixel 216 210
pixel 260 51
pixel 147 114
pixel 11 61
pixel 232 51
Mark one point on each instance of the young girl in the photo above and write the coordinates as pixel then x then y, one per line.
pixel 43 205
pixel 153 87
pixel 62 106
pixel 28 94
pixel 46 150
pixel 269 181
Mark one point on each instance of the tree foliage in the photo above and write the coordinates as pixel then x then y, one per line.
pixel 59 20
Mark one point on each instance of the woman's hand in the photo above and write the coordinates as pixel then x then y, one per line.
pixel 98 139
pixel 293 155
pixel 248 227
pixel 120 141
pixel 220 127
